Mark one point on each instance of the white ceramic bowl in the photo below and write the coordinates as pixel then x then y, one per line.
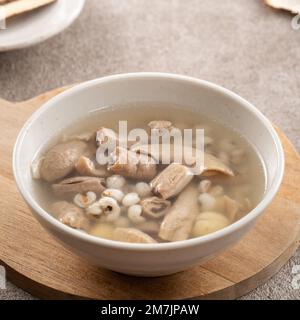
pixel 213 100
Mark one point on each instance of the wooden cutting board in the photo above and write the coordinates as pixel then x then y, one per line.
pixel 35 262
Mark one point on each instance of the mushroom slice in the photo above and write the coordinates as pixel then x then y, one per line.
pixel 60 160
pixel 178 223
pixel 86 167
pixel 212 165
pixel 171 181
pixel 72 186
pixel 132 165
pixel 70 215
pixel 132 235
pixel 155 207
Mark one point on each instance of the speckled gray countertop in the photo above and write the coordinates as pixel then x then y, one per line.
pixel 242 45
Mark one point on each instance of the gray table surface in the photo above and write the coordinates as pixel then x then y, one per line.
pixel 242 45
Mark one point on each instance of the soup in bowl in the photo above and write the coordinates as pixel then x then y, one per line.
pixel 148 174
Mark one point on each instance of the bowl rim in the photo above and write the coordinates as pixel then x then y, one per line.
pixel 61 228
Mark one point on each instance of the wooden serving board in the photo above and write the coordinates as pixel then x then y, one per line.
pixel 37 263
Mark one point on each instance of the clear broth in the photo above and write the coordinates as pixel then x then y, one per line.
pixel 246 187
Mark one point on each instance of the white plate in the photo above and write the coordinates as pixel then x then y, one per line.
pixel 36 26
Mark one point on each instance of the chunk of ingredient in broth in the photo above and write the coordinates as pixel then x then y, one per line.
pixel 72 186
pixel 178 223
pixel 171 181
pixel 155 207
pixel 132 235
pixel 60 160
pixel 70 215
pixel 132 165
pixel 208 222
pixel 86 167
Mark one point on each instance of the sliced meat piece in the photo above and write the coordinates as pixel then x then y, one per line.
pixel 72 186
pixel 155 207
pixel 86 167
pixel 132 235
pixel 171 181
pixel 179 221
pixel 212 165
pixel 70 215
pixel 13 8
pixel 60 160
pixel 132 165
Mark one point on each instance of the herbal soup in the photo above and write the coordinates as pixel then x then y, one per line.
pixel 143 200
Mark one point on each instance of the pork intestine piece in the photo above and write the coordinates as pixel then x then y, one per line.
pixel 179 221
pixel 212 165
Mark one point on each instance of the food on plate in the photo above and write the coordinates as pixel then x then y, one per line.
pixel 10 8
pixel 289 5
